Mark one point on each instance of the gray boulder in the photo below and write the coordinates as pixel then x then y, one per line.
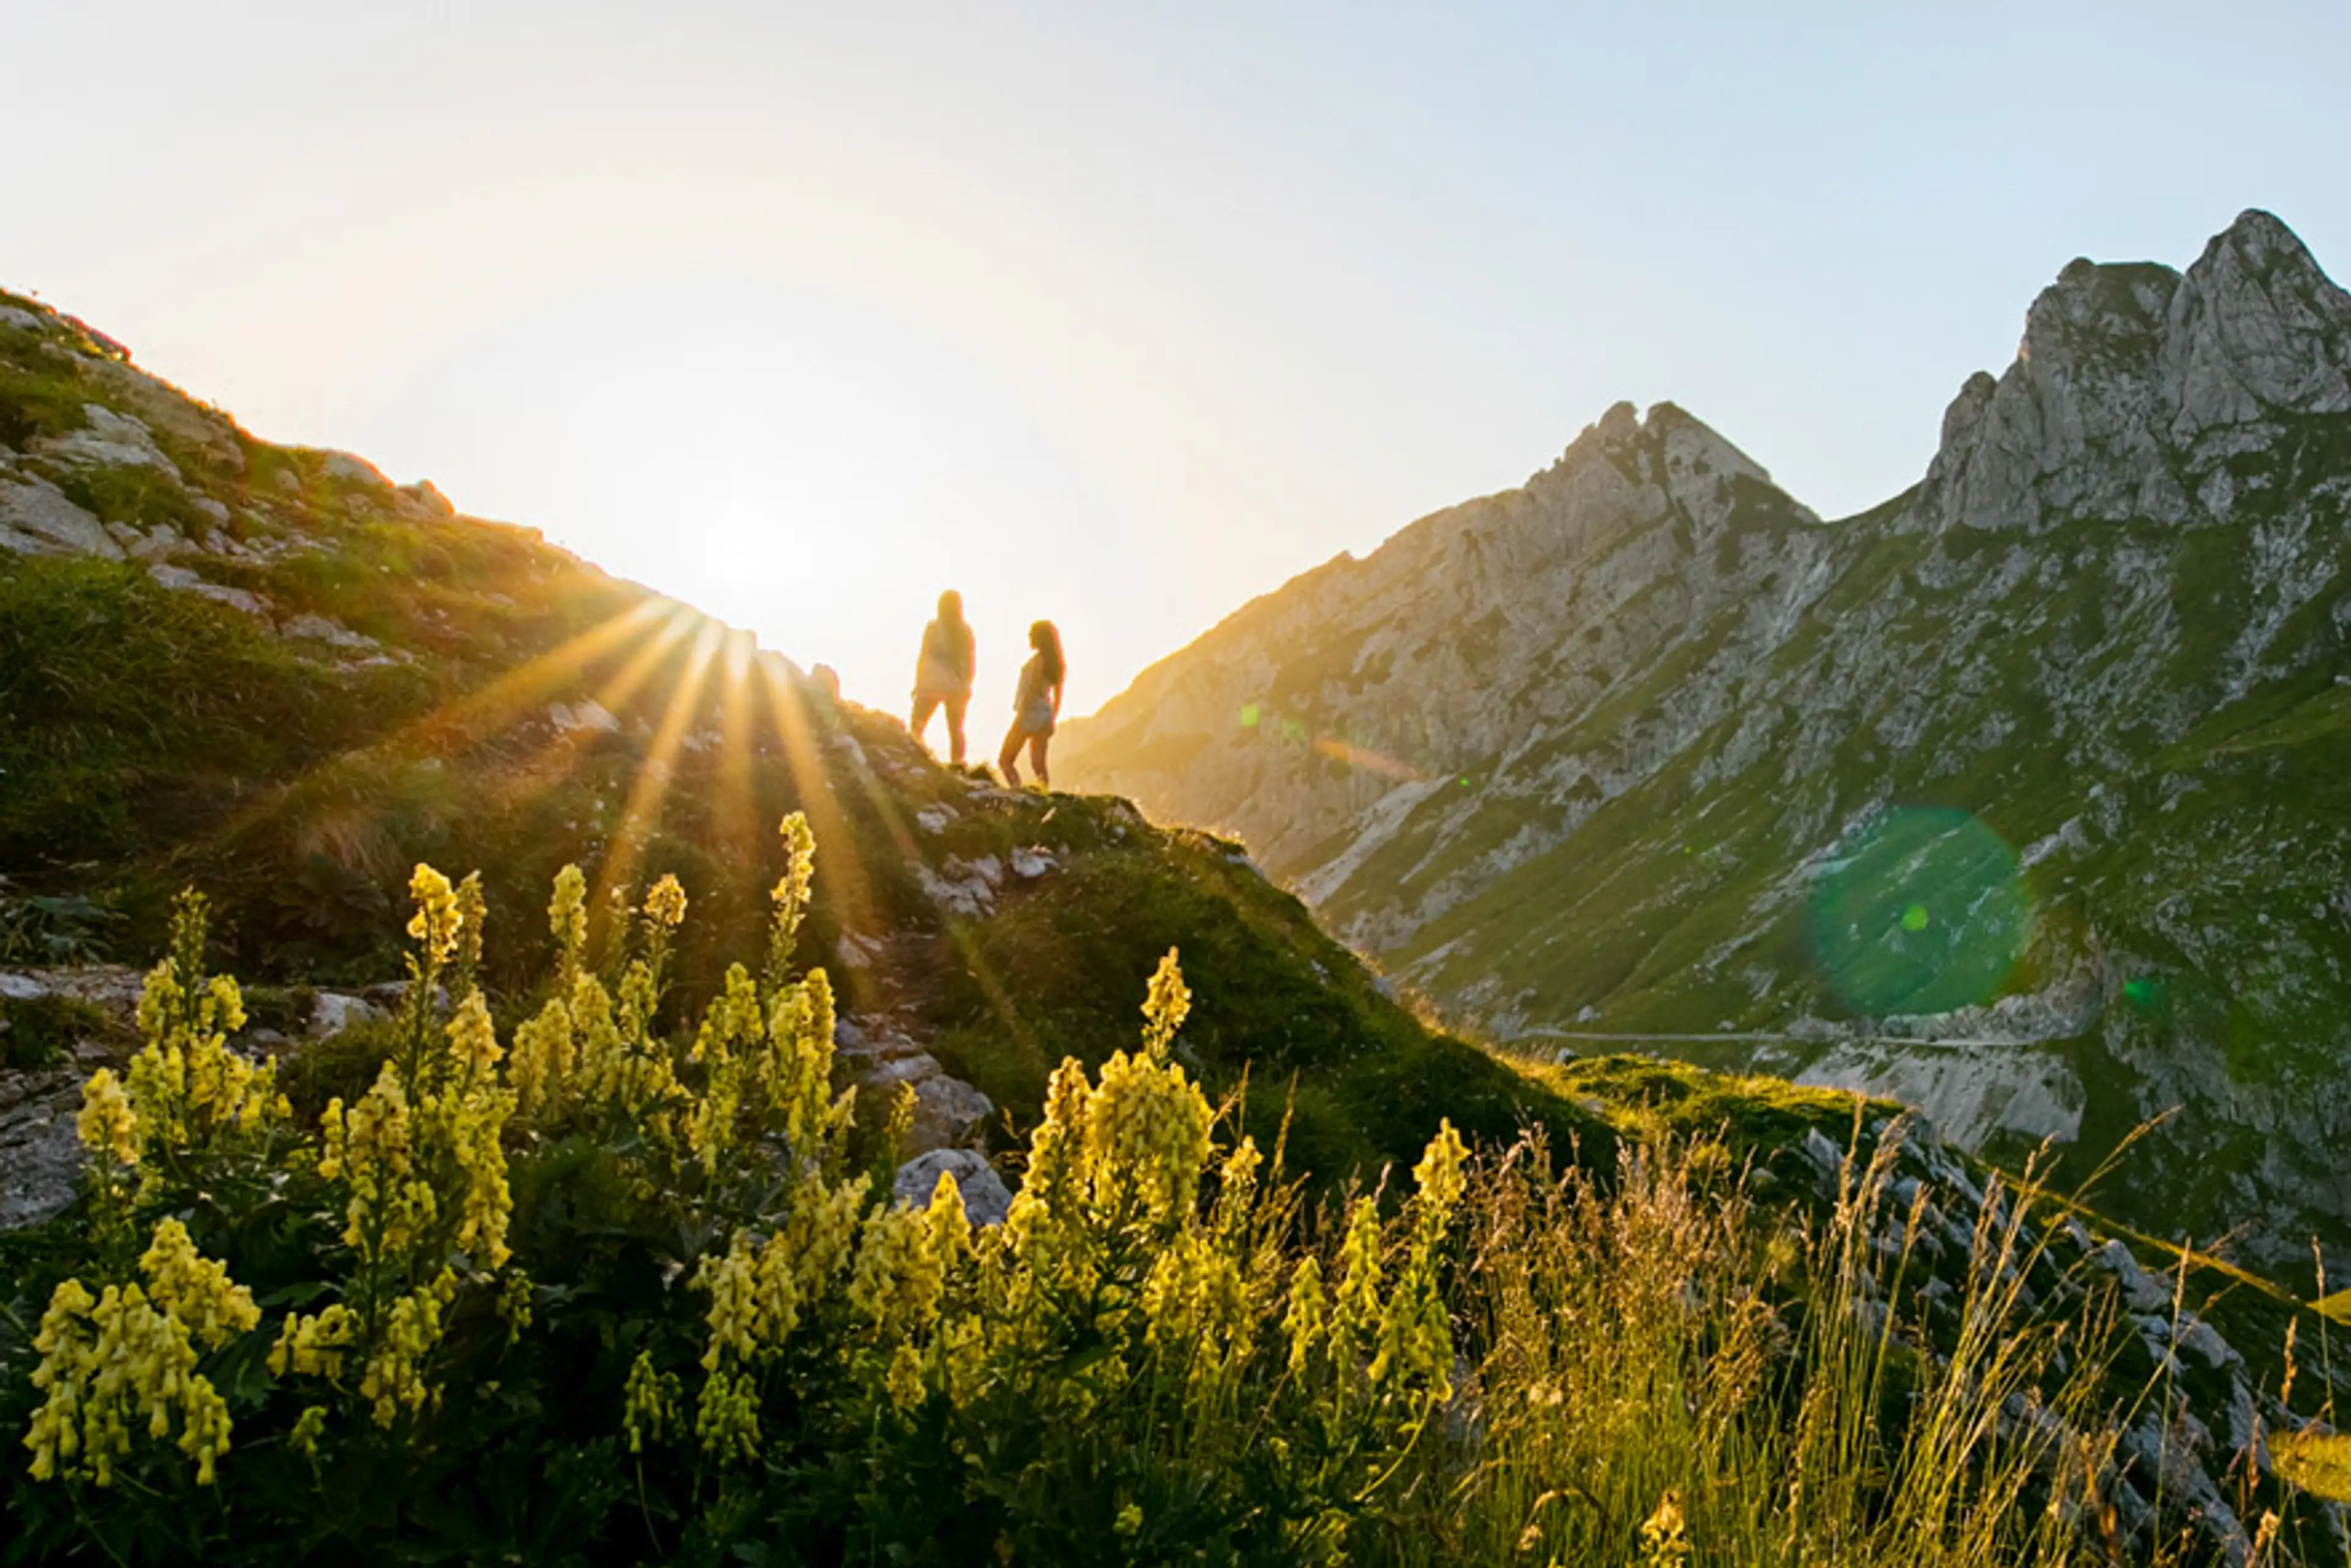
pixel 986 1199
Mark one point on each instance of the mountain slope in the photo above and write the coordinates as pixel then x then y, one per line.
pixel 271 674
pixel 2017 796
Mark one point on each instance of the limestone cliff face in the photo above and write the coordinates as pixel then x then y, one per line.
pixel 1584 755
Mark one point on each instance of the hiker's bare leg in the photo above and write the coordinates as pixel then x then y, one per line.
pixel 956 706
pixel 1007 761
pixel 923 709
pixel 1037 758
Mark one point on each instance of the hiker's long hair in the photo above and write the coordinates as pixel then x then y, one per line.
pixel 1046 638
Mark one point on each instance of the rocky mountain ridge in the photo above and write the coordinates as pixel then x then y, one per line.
pixel 1613 754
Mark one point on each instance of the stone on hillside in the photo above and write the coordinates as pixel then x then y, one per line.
pixel 161 542
pixel 36 519
pixel 2142 1291
pixel 426 497
pixel 966 892
pixel 914 1068
pixel 934 820
pixel 107 439
pixel 986 1199
pixel 22 320
pixel 186 582
pixel 352 469
pixel 334 633
pixel 331 1012
pixel 40 1156
pixel 196 430
pixel 587 713
pixel 1032 861
pixel 947 1112
pixel 864 1051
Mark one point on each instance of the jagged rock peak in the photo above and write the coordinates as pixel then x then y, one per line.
pixel 1683 439
pixel 2131 376
pixel 2257 322
pixel 1678 459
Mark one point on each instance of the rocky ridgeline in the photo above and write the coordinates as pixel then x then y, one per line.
pixel 177 474
pixel 1580 757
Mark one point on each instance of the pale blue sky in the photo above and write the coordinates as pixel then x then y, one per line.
pixel 1114 314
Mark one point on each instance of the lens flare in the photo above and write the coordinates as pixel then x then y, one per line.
pixel 1921 911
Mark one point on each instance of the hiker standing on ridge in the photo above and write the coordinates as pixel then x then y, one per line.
pixel 943 673
pixel 1037 705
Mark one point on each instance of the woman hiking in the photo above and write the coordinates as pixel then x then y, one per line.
pixel 1037 705
pixel 943 673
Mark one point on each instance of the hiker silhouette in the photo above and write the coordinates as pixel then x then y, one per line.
pixel 1036 706
pixel 943 673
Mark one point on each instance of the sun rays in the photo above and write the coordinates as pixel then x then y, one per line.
pixel 657 739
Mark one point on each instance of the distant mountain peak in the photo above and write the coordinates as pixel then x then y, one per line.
pixel 2135 382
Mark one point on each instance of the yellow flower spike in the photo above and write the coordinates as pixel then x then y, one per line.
pixel 817 1023
pixel 1148 1135
pixel 309 1428
pixel 648 1403
pixel 472 914
pixel 948 1226
pixel 665 902
pixel 474 1040
pixel 315 1345
pixel 540 1067
pixel 1358 1306
pixel 227 1004
pixel 1306 1321
pixel 195 1290
pixel 129 1357
pixel 904 1379
pixel 435 923
pixel 821 1234
pixel 789 897
pixel 106 1123
pixel 1166 1005
pixel 1438 1175
pixel 727 1418
pixel 734 1316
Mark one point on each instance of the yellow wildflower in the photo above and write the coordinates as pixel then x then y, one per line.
pixel 904 1379
pixel 437 922
pixel 1305 1322
pixel 314 1344
pixel 665 903
pixel 727 1419
pixel 106 1123
pixel 648 1402
pixel 1663 1544
pixel 130 1357
pixel 1165 1004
